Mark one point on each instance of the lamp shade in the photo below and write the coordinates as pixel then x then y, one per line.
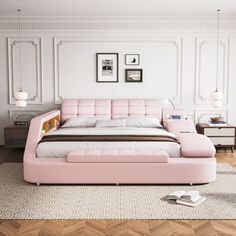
pixel 21 98
pixel 21 103
pixel 21 95
pixel 217 103
pixel 217 95
pixel 217 99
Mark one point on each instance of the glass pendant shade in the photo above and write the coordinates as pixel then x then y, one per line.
pixel 21 95
pixel 21 103
pixel 21 98
pixel 217 99
pixel 217 95
pixel 217 103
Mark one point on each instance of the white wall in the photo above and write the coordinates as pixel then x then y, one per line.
pixel 58 61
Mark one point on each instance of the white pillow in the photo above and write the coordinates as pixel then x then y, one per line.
pixel 110 123
pixel 79 122
pixel 143 122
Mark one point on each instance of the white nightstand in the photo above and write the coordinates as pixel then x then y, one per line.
pixel 221 136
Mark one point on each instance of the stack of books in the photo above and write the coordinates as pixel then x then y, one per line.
pixel 190 198
pixel 220 123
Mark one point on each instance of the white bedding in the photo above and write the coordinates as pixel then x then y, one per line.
pixel 61 149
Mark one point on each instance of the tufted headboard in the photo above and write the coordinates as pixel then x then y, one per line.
pixel 111 108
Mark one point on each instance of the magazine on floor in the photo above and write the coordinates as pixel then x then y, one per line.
pixel 188 198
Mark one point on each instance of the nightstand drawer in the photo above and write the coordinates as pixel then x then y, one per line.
pixel 15 137
pixel 221 131
pixel 17 133
pixel 227 141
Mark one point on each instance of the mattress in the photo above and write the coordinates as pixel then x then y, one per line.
pixel 61 149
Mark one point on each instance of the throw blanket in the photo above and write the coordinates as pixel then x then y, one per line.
pixel 106 138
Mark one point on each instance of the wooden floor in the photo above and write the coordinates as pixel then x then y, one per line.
pixel 115 227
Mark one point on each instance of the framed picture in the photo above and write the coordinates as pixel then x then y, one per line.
pixel 107 67
pixel 134 75
pixel 132 59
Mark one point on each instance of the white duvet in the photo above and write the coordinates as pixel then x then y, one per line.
pixel 61 149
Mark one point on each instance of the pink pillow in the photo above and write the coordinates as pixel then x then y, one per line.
pixel 180 126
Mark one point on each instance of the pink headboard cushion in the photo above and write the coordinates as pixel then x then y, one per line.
pixel 136 107
pixel 100 108
pixel 105 108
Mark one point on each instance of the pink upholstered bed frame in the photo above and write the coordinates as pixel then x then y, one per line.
pixel 197 169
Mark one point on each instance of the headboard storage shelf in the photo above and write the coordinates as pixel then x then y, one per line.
pixel 51 124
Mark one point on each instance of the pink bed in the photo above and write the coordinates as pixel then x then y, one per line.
pixel 196 164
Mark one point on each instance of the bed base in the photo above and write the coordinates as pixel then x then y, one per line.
pixel 176 171
pixel 59 171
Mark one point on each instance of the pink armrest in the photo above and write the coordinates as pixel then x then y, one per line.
pixel 196 145
pixel 35 133
pixel 180 126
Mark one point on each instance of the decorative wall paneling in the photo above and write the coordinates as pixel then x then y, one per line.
pixel 120 24
pixel 31 69
pixel 161 61
pixel 205 76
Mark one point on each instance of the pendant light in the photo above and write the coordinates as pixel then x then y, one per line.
pixel 20 96
pixel 217 96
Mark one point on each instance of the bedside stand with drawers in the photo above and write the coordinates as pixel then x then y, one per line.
pixel 15 136
pixel 221 136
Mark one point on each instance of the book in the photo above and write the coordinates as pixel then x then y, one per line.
pixel 217 124
pixel 191 204
pixel 190 198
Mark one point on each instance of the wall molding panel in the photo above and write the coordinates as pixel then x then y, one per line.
pixel 176 43
pixel 112 24
pixel 32 81
pixel 205 71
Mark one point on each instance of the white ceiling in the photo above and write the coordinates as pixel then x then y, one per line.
pixel 129 8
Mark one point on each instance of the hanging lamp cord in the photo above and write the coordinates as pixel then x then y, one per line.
pixel 217 48
pixel 19 41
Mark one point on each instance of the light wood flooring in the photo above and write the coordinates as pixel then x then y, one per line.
pixel 115 227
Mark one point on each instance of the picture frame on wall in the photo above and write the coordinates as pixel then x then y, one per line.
pixel 107 67
pixel 134 75
pixel 132 59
